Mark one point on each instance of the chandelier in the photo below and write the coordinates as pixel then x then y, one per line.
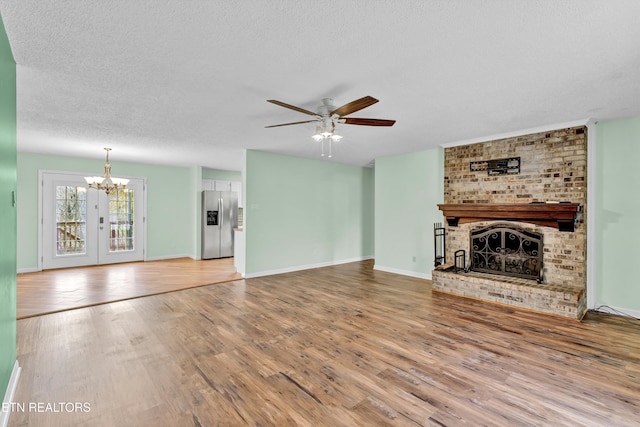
pixel 106 182
pixel 325 133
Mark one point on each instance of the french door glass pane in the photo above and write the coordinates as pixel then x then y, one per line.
pixel 71 220
pixel 121 209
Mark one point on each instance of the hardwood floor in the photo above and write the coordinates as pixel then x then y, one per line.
pixel 51 291
pixel 337 346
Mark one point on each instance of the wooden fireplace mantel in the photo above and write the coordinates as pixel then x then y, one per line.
pixel 557 215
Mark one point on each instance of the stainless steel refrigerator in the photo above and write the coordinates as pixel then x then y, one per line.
pixel 219 218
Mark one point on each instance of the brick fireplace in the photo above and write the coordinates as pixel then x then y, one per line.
pixel 545 196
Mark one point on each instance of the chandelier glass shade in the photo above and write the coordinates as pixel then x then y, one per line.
pixel 106 182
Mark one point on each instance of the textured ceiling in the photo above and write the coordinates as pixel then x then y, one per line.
pixel 186 82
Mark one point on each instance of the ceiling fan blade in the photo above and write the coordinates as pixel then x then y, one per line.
pixel 291 107
pixel 289 124
pixel 368 122
pixel 354 106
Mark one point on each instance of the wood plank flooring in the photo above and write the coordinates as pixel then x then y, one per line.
pixel 51 291
pixel 336 346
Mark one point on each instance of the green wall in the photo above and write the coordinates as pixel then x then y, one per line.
pixel 617 212
pixel 7 211
pixel 221 175
pixel 171 212
pixel 407 189
pixel 196 200
pixel 303 213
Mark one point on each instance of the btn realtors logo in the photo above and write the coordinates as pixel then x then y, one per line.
pixel 51 407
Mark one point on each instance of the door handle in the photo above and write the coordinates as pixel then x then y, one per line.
pixel 221 212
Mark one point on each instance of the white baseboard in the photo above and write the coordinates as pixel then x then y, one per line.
pixel 305 267
pixel 403 272
pixel 9 394
pixel 617 310
pixel 165 257
pixel 157 258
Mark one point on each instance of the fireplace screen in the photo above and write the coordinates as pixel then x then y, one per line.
pixel 507 250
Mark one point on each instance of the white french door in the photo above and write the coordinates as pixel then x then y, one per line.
pixel 85 226
pixel 67 222
pixel 120 224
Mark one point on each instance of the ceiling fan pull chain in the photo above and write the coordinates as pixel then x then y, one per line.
pixel 330 145
pixel 322 155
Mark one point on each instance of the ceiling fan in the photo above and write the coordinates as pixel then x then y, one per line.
pixel 328 115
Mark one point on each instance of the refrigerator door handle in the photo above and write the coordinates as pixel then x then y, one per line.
pixel 221 201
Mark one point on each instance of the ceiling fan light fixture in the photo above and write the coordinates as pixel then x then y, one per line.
pixel 325 132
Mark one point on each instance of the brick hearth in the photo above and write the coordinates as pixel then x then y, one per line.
pixel 562 300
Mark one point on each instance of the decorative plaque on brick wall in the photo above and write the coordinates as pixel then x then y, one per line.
pixel 508 166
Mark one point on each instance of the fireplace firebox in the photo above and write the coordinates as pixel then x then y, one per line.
pixel 507 249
